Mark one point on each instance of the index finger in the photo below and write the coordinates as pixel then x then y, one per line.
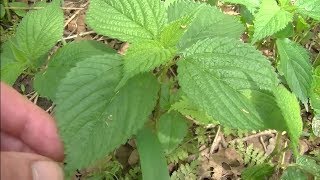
pixel 26 121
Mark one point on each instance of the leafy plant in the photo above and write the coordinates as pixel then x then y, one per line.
pixel 103 98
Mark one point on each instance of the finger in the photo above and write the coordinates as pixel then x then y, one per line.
pixel 17 166
pixel 29 123
pixel 11 143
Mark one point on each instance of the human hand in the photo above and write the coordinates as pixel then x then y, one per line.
pixel 30 144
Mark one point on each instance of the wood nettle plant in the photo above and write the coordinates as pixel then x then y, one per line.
pixel 181 54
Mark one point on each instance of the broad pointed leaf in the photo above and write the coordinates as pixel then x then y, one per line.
pixel 171 129
pixel 270 19
pixel 209 22
pixel 152 159
pixel 296 67
pixel 93 118
pixel 293 172
pixel 215 71
pixel 315 91
pixel 290 108
pixel 144 56
pixel 127 20
pixel 63 60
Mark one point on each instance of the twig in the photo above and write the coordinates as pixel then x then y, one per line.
pixel 214 143
pixel 263 144
pixel 36 99
pixel 80 34
pixel 263 133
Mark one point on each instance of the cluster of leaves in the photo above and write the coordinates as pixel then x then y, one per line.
pixel 103 98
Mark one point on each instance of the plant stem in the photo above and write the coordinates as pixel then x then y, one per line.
pixel 6 6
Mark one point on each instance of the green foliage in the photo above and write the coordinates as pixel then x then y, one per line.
pixel 208 23
pixel 88 95
pixel 134 173
pixel 260 171
pixel 225 78
pixel 309 165
pixel 37 33
pixel 250 155
pixel 46 83
pixel 186 171
pixel 19 12
pixel 293 172
pixel 315 91
pixel 2 11
pixel 127 20
pixel 187 108
pixel 171 129
pixel 252 5
pixel 270 19
pixel 296 67
pixel 153 164
pixel 290 108
pixel 309 8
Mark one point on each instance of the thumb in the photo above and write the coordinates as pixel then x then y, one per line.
pixel 17 165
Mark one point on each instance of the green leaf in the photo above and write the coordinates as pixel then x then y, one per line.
pixel 296 67
pixel 309 8
pixel 153 162
pixel 295 173
pixel 213 73
pixel 209 22
pixel 290 108
pixel 288 31
pixel 39 31
pixel 315 91
pixel 270 19
pixel 260 171
pixel 19 12
pixel 93 118
pixel 171 129
pixel 2 11
pixel 251 5
pixel 187 108
pixel 308 164
pixel 47 82
pixel 144 56
pixel 11 71
pixel 127 20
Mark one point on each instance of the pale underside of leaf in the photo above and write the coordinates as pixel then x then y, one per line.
pixel 296 67
pixel 93 118
pixel 64 59
pixel 215 71
pixel 270 19
pixel 127 20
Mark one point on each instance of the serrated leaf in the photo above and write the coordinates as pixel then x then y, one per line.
pixel 187 108
pixel 153 162
pixel 144 56
pixel 171 129
pixel 310 8
pixel 19 12
pixel 39 31
pixel 11 71
pixel 287 32
pixel 270 19
pixel 296 67
pixel 308 164
pixel 260 171
pixel 46 83
pixel 251 5
pixel 290 109
pixel 127 20
pixel 36 34
pixel 93 118
pixel 209 22
pixel 295 173
pixel 214 71
pixel 315 91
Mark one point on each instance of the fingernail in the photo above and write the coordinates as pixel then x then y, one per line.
pixel 46 170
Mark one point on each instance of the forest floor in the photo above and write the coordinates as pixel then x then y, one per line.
pixel 223 153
